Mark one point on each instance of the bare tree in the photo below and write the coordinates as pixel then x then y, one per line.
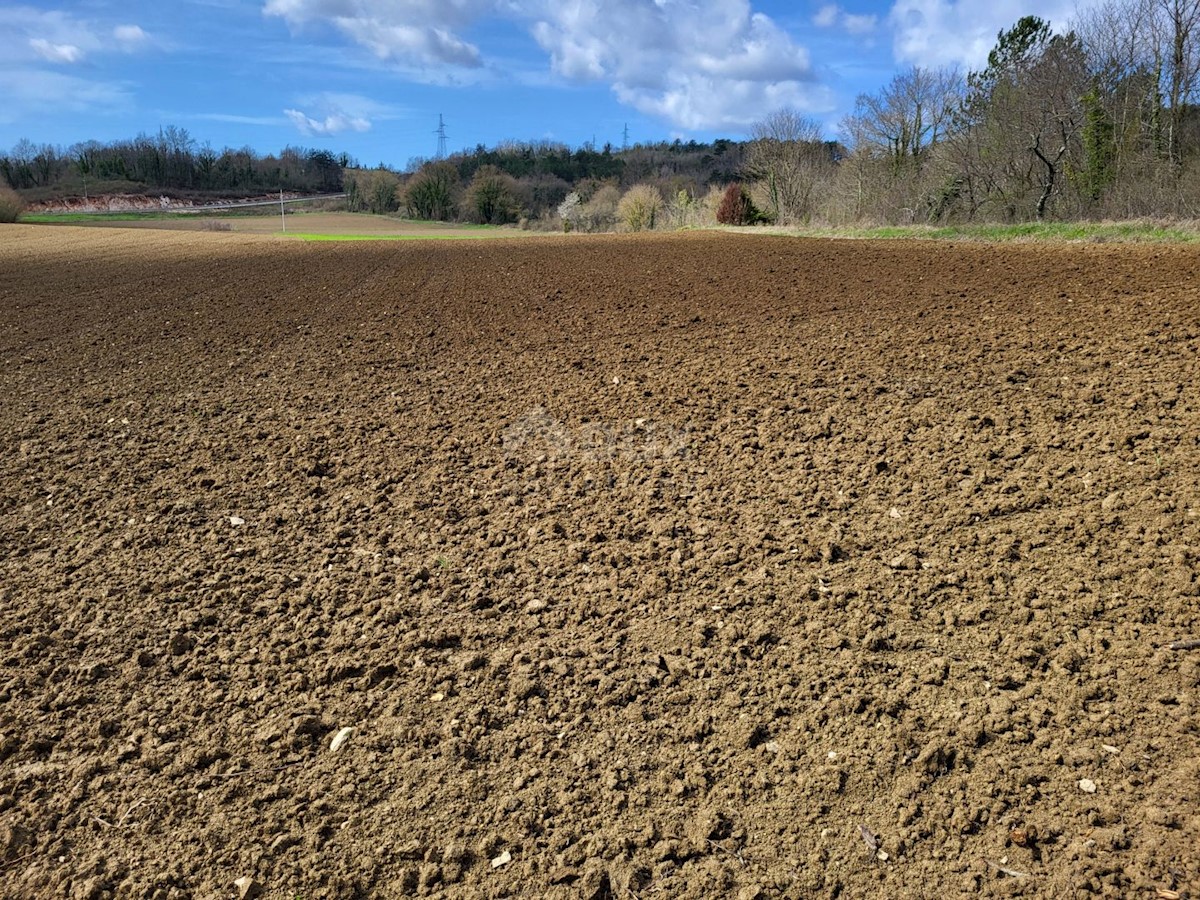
pixel 1177 33
pixel 1137 50
pixel 1118 39
pixel 908 117
pixel 1055 115
pixel 788 156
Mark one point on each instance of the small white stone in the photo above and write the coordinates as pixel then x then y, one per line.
pixel 1087 785
pixel 1109 748
pixel 339 739
pixel 248 888
pixel 235 521
pixel 502 860
pixel 894 513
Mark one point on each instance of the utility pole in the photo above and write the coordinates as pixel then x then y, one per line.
pixel 625 137
pixel 441 133
pixel 282 218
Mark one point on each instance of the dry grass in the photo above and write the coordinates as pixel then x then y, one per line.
pixel 11 204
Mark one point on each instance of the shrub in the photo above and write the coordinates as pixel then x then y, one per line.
pixel 491 198
pixel 372 190
pixel 431 192
pixel 11 204
pixel 640 207
pixel 682 208
pixel 736 207
pixel 600 212
pixel 571 211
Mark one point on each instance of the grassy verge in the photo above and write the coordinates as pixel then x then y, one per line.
pixel 67 218
pixel 1052 232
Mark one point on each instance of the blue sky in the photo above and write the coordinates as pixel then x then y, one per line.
pixel 371 77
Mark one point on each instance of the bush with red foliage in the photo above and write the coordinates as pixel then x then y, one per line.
pixel 736 208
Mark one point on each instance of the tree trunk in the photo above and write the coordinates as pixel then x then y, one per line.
pixel 1051 174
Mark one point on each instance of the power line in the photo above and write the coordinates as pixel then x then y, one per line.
pixel 441 133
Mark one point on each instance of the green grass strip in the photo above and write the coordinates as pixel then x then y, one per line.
pixel 377 237
pixel 59 218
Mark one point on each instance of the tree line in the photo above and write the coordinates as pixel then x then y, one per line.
pixel 1099 120
pixel 530 180
pixel 169 161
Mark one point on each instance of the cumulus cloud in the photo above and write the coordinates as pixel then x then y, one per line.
pixel 56 53
pixel 962 32
pixel 709 64
pixel 695 63
pixel 695 102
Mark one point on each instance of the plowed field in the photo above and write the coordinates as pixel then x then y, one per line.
pixel 684 566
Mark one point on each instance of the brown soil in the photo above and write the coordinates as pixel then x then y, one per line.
pixel 682 567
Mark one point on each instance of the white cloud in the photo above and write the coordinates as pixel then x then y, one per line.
pixel 833 16
pixel 708 64
pixel 335 113
pixel 411 43
pixel 963 32
pixel 56 53
pixel 130 37
pixel 695 102
pixel 699 64
pixel 272 121
pixel 58 37
pixel 412 33
pixel 859 25
pixel 827 16
pixel 335 123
